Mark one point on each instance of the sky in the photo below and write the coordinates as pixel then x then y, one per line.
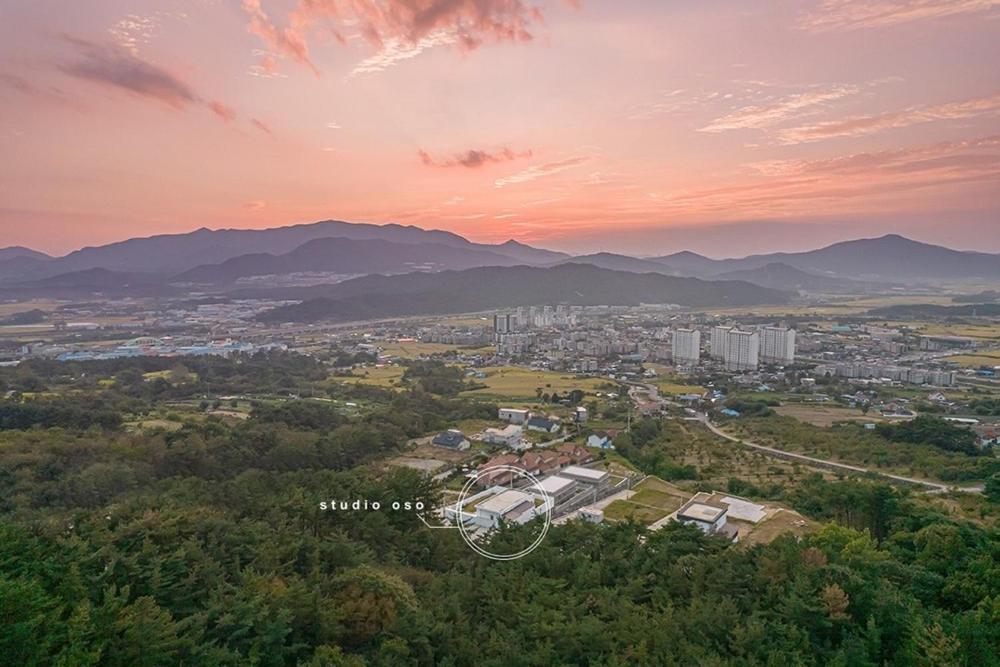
pixel 637 126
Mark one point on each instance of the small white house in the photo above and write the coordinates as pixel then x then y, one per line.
pixel 543 425
pixel 513 415
pixel 708 518
pixel 600 439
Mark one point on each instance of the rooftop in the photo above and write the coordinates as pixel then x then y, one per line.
pixel 554 484
pixel 585 473
pixel 504 502
pixel 701 512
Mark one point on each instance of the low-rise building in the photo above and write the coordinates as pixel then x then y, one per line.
pixel 557 487
pixel 588 476
pixel 508 436
pixel 451 439
pixel 543 425
pixel 600 439
pixel 513 415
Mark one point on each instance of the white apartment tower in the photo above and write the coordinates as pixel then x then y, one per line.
pixel 720 336
pixel 742 350
pixel 686 347
pixel 777 345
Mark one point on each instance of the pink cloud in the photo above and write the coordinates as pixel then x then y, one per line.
pixel 119 67
pixel 111 65
pixel 473 158
pixel 852 14
pixel 861 125
pixel 397 23
pixel 222 111
pixel 288 41
pixel 262 126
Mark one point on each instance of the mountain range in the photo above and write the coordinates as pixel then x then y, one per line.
pixel 889 257
pixel 170 254
pixel 216 261
pixel 485 288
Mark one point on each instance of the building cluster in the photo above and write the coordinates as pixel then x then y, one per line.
pixel 884 372
pixel 745 350
pixel 154 347
pixel 510 497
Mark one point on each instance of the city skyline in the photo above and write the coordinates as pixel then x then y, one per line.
pixel 641 128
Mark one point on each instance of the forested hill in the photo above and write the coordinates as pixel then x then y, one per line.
pixel 127 543
pixel 503 287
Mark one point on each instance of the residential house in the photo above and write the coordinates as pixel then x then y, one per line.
pixel 451 439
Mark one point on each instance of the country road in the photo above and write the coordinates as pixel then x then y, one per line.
pixel 931 486
pixel 936 487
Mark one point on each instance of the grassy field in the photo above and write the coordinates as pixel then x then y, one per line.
pixel 24 306
pixel 984 358
pixel 624 510
pixel 783 521
pixel 982 331
pixel 671 383
pixel 653 500
pixel 414 350
pixel 824 415
pixel 380 376
pixel 518 383
pixel 845 307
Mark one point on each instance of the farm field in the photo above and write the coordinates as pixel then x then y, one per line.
pixel 415 350
pixel 670 383
pixel 824 415
pixel 518 383
pixel 380 376
pixel 985 358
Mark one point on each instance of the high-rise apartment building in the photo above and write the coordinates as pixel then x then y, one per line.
pixel 686 347
pixel 720 336
pixel 742 351
pixel 777 345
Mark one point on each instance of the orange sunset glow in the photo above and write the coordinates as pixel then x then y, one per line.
pixel 640 126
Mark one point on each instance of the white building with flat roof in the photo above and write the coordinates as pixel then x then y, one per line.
pixel 707 518
pixel 686 347
pixel 590 476
pixel 513 415
pixel 508 436
pixel 557 487
pixel 488 508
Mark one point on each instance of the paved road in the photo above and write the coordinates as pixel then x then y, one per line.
pixel 930 486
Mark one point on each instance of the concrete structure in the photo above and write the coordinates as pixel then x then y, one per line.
pixel 719 341
pixel 686 347
pixel 488 508
pixel 588 476
pixel 777 345
pixel 508 436
pixel 513 415
pixel 503 323
pixel 580 414
pixel 742 350
pixel 557 487
pixel 707 518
